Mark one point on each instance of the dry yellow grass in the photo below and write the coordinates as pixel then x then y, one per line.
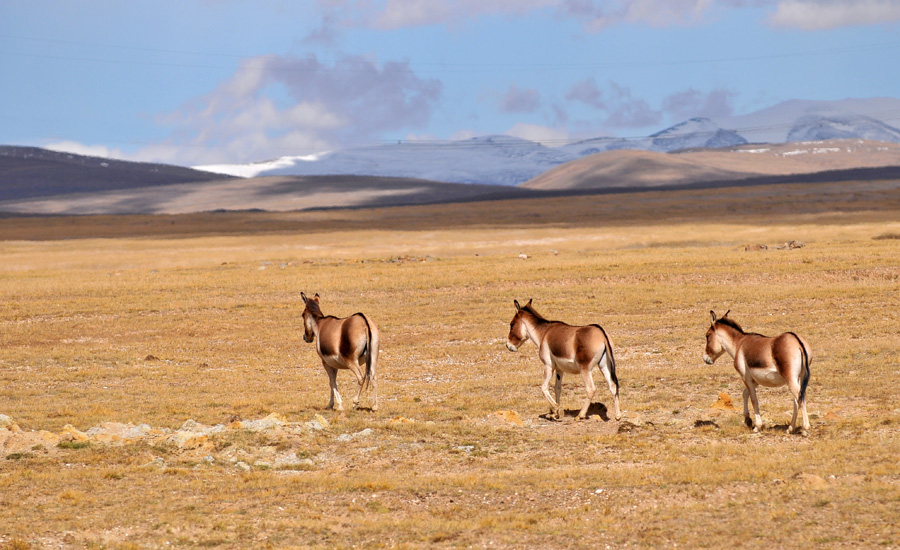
pixel 141 320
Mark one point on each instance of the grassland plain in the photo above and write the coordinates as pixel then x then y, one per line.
pixel 161 319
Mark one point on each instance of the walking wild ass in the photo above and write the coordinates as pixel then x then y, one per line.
pixel 347 343
pixel 762 361
pixel 566 349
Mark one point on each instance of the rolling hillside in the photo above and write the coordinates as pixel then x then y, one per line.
pixel 272 193
pixel 630 169
pixel 29 172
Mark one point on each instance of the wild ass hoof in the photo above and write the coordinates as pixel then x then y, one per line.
pixel 748 422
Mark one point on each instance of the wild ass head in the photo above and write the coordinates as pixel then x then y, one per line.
pixel 517 331
pixel 310 312
pixel 714 347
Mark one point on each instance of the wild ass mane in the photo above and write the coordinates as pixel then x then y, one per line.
pixel 313 307
pixel 730 323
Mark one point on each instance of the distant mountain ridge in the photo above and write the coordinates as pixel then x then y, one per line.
pixel 27 172
pixel 137 187
pixel 505 160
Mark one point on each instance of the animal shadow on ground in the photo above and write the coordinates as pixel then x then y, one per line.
pixel 783 428
pixel 569 415
pixel 347 409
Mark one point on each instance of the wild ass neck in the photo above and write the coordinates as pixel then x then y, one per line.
pixel 730 338
pixel 535 326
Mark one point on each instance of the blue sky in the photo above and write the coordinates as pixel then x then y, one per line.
pixel 212 81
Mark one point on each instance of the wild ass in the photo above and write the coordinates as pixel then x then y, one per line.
pixel 347 343
pixel 566 349
pixel 762 361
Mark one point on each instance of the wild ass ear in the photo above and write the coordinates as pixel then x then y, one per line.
pixel 316 298
pixel 713 315
pixel 529 303
pixel 726 314
pixel 518 307
pixel 305 299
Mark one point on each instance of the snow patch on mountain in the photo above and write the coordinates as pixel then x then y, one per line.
pixel 817 128
pixel 695 133
pixel 499 160
pixel 506 160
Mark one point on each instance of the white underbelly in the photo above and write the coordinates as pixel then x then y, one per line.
pixel 769 378
pixel 334 361
pixel 566 366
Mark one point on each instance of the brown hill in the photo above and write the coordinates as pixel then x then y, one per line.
pixel 272 193
pixel 635 169
pixel 29 172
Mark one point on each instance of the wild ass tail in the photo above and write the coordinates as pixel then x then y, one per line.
pixel 371 350
pixel 612 359
pixel 804 369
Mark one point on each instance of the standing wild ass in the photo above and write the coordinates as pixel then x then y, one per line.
pixel 566 349
pixel 762 361
pixel 347 343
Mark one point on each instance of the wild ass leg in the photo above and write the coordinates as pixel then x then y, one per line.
pixel 612 388
pixel 545 388
pixel 793 427
pixel 334 396
pixel 757 419
pixel 372 380
pixel 358 371
pixel 557 390
pixel 794 386
pixel 589 389
pixel 804 416
pixel 747 421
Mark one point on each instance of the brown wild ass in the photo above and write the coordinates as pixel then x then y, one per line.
pixel 347 343
pixel 566 349
pixel 762 361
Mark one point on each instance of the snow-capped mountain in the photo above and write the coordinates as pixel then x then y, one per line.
pixel 816 128
pixel 504 160
pixel 775 124
pixel 695 133
pixel 498 160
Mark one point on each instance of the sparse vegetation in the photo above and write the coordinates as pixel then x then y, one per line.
pixel 215 300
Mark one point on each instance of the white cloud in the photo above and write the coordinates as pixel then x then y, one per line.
pixel 597 15
pixel 629 111
pixel 516 100
pixel 587 92
pixel 538 133
pixel 414 13
pixel 464 134
pixel 830 14
pixel 88 150
pixel 621 108
pixel 275 106
pixel 693 103
pixel 600 14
